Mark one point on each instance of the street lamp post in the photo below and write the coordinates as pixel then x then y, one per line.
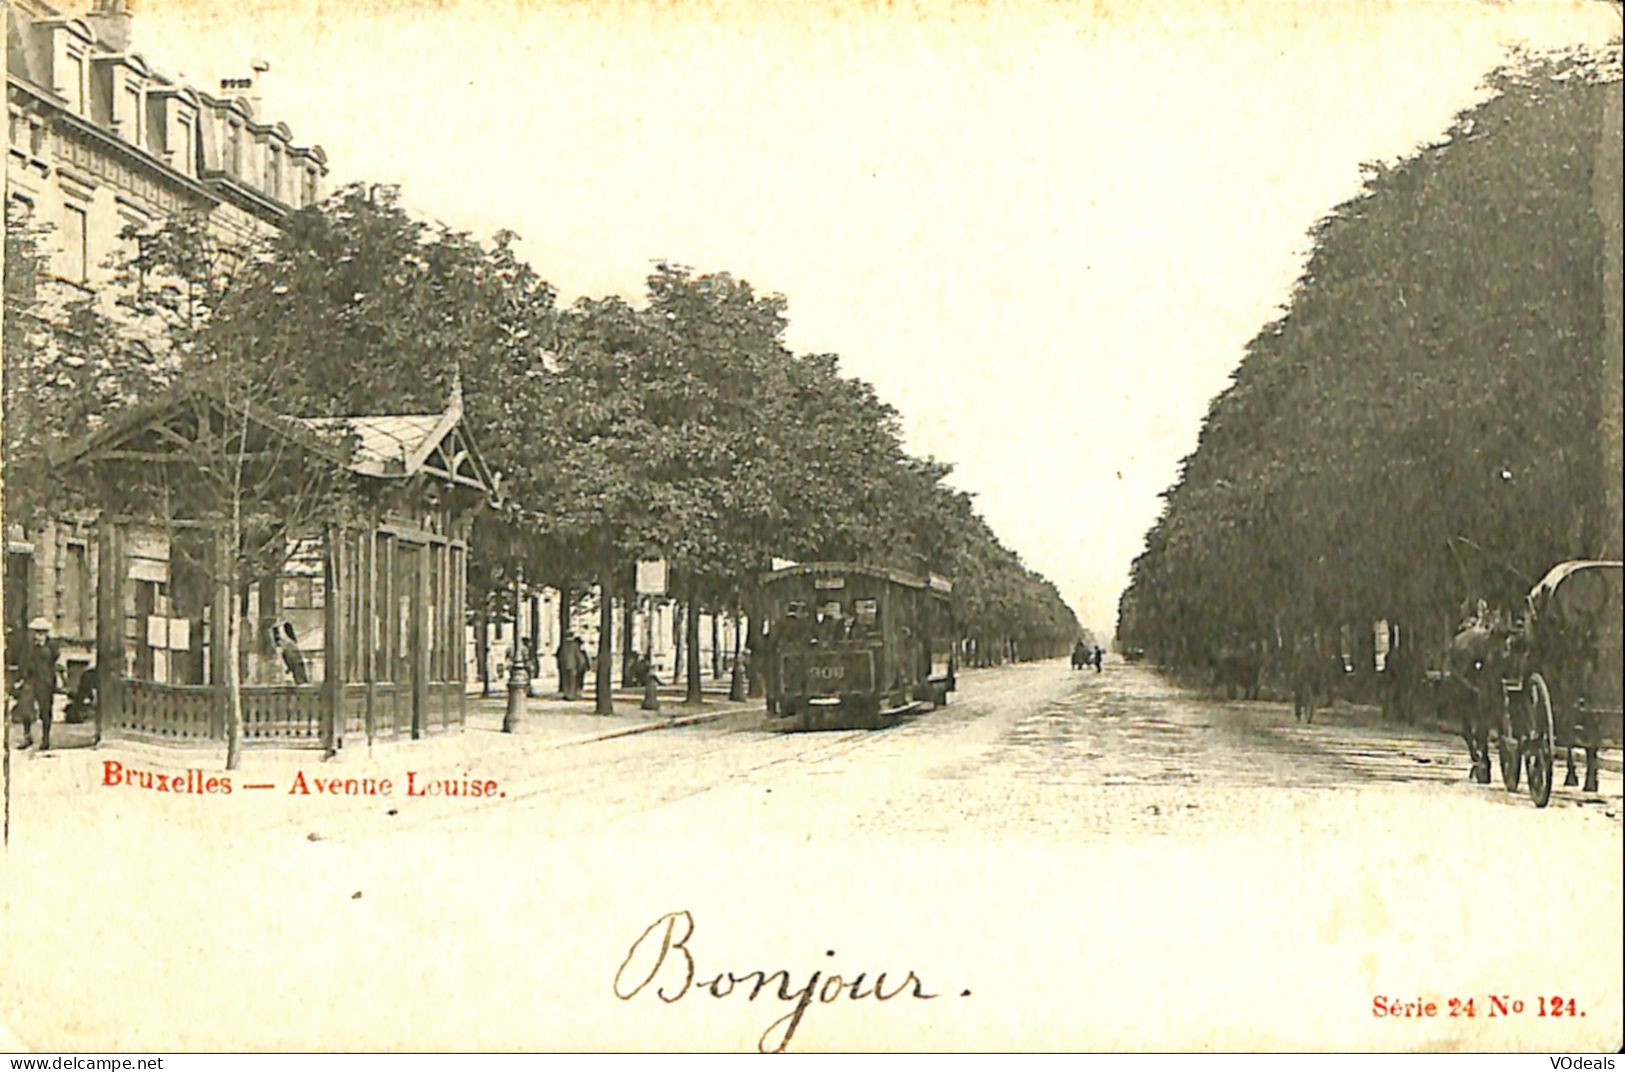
pixel 518 665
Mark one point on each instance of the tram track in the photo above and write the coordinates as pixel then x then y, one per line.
pixel 598 777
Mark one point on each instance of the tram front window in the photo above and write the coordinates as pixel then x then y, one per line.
pixel 865 618
pixel 830 625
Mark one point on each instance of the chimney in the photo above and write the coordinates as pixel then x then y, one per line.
pixel 249 88
pixel 110 21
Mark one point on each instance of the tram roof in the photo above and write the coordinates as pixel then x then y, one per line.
pixel 935 583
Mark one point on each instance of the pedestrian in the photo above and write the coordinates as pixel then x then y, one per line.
pixel 1100 657
pixel 82 697
pixel 637 669
pixel 33 663
pixel 583 665
pixel 287 644
pixel 569 651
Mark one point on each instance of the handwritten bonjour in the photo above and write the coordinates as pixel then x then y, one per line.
pixel 673 971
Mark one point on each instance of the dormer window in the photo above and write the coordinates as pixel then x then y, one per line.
pixel 273 172
pixel 73 81
pixel 130 113
pixel 184 149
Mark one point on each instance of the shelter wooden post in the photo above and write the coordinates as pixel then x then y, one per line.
pixel 332 641
pixel 109 622
pixel 460 577
pixel 421 614
pixel 369 637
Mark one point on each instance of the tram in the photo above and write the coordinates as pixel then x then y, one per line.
pixel 857 646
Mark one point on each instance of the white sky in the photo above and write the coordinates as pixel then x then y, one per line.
pixel 1044 231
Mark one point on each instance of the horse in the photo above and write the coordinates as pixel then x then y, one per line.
pixel 1474 663
pixel 1311 680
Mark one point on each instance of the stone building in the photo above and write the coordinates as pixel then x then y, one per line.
pixel 99 139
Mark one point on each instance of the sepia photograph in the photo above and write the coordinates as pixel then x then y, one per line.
pixel 813 526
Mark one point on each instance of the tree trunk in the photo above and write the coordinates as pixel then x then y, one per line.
pixel 716 647
pixel 677 645
pixel 736 686
pixel 564 635
pixel 694 694
pixel 628 641
pixel 605 703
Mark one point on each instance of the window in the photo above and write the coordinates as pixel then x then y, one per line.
pixel 273 173
pixel 310 186
pixel 73 82
pixel 234 148
pixel 75 616
pixel 75 253
pixel 130 126
pixel 183 158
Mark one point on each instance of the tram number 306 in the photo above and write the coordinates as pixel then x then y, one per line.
pixel 826 673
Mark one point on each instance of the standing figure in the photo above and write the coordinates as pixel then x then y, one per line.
pixel 1100 657
pixel 583 664
pixel 568 653
pixel 287 644
pixel 33 666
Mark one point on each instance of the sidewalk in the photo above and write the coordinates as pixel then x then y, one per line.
pixel 450 768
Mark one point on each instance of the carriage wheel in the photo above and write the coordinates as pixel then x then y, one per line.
pixel 1538 751
pixel 1510 746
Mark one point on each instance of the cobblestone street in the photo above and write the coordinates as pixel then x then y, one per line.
pixel 1066 859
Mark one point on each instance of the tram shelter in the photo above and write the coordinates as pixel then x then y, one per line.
pixel 347 576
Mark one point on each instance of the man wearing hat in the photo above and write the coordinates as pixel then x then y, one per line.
pixel 34 664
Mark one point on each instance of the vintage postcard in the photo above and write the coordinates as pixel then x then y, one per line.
pixel 812 526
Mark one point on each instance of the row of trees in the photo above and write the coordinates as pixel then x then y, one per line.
pixel 1437 414
pixel 682 427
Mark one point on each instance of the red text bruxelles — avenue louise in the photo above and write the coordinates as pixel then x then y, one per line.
pixel 200 783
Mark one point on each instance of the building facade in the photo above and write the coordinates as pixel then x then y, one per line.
pixel 100 141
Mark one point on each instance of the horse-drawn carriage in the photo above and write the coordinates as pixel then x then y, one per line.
pixel 1562 679
pixel 1544 676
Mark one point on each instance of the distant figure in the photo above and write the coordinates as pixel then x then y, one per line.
pixel 1311 681
pixel 82 698
pixel 287 645
pixel 568 654
pixel 583 664
pixel 1100 657
pixel 637 670
pixel 1079 655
